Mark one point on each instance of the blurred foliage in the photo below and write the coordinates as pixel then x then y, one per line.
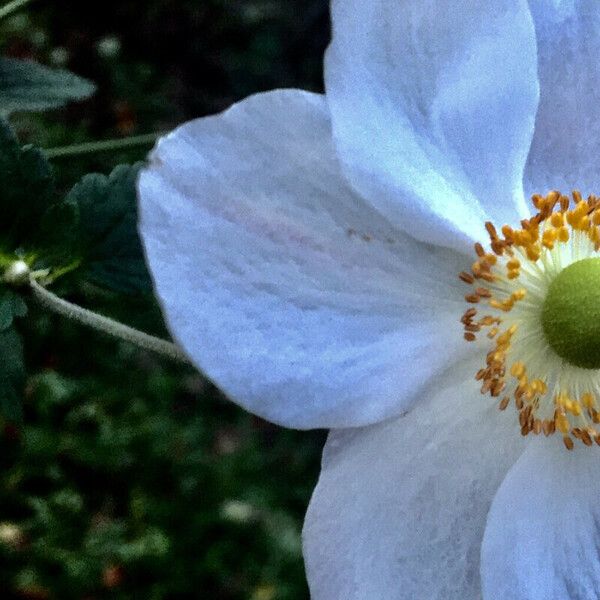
pixel 131 477
pixel 28 86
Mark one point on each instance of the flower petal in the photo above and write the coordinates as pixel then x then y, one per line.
pixel 566 144
pixel 299 300
pixel 433 105
pixel 542 540
pixel 400 507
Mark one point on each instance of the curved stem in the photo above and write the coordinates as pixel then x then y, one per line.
pixel 103 145
pixel 12 7
pixel 104 324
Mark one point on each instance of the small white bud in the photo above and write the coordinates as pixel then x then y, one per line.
pixel 17 273
pixel 109 46
pixel 10 534
pixel 59 56
pixel 237 511
pixel 39 38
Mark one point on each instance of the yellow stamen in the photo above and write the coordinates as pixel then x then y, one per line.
pixel 545 402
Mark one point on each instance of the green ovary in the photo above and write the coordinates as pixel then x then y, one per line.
pixel 571 314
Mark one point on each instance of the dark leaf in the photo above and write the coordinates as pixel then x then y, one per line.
pixel 112 252
pixel 26 190
pixel 33 218
pixel 27 86
pixel 11 306
pixel 12 375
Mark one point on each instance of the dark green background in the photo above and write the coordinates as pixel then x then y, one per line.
pixel 132 477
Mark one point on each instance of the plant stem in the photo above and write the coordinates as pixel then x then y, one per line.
pixel 8 9
pixel 101 323
pixel 103 146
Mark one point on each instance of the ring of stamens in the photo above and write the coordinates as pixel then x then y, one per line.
pixel 512 281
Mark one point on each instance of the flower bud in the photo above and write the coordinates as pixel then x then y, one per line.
pixel 17 273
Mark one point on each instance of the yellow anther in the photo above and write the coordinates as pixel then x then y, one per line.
pixel 538 386
pixel 562 423
pixel 487 321
pixel 507 232
pixel 553 197
pixel 491 229
pixel 563 234
pixel 549 238
pixel 525 237
pixel 557 220
pixel 533 253
pixel 504 339
pixel 517 370
pixel 581 207
pixel 476 268
pixel 588 400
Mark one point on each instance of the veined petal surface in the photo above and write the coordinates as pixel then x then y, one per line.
pixel 288 290
pixel 566 145
pixel 433 105
pixel 400 508
pixel 542 540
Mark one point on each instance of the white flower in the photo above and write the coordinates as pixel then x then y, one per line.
pixel 305 249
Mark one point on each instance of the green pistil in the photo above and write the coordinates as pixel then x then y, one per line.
pixel 571 314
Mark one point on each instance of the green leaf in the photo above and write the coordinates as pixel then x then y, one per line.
pixel 11 306
pixel 12 375
pixel 26 189
pixel 28 86
pixel 112 252
pixel 57 237
pixel 32 218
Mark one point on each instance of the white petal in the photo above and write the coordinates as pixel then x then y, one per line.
pixel 433 104
pixel 292 294
pixel 400 507
pixel 566 144
pixel 542 540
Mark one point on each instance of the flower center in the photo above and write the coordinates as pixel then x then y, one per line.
pixel 540 286
pixel 571 314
